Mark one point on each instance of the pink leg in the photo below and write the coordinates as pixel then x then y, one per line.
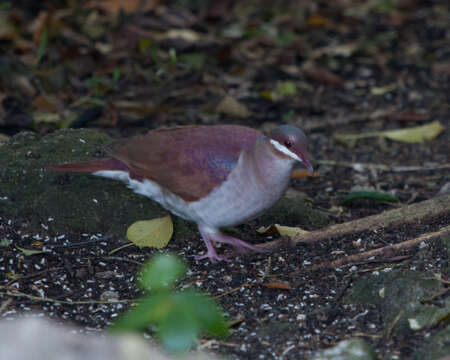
pixel 210 234
pixel 239 245
pixel 211 253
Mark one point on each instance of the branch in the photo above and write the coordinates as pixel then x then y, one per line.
pixel 408 214
pixel 385 250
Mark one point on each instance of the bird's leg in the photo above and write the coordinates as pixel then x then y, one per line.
pixel 211 253
pixel 239 245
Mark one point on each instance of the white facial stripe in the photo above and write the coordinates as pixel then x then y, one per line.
pixel 284 150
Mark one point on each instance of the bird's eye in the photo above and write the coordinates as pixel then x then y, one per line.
pixel 288 144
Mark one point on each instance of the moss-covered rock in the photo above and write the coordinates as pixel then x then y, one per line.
pixel 85 203
pixel 291 211
pixel 400 294
pixel 76 202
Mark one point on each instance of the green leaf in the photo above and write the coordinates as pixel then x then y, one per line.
pixel 161 272
pixel 28 252
pixel 193 60
pixel 374 195
pixel 42 45
pixel 152 233
pixel 206 312
pixel 178 333
pixel 286 88
pixel 115 75
pixel 154 309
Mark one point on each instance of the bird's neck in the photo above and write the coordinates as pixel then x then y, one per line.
pixel 267 166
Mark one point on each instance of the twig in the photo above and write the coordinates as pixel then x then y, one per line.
pixel 118 258
pixel 246 284
pixel 368 166
pixel 414 213
pixel 5 304
pixel 390 249
pixel 17 293
pixel 435 296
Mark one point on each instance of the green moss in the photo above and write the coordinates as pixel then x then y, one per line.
pixel 85 203
pixel 290 211
pixel 76 202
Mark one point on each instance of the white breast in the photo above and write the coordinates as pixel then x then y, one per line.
pixel 254 185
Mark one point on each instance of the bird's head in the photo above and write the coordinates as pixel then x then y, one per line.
pixel 290 142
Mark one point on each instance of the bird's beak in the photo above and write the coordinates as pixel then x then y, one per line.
pixel 305 161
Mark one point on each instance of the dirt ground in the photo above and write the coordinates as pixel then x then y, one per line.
pixel 341 67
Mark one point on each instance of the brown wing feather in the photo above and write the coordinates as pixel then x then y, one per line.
pixel 90 166
pixel 189 161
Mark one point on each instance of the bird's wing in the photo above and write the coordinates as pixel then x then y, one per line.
pixel 189 161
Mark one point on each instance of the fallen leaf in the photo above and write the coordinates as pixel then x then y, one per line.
pixel 281 230
pixel 317 20
pixel 230 106
pixel 290 231
pixel 320 74
pixel 44 102
pixel 115 6
pixel 374 195
pixel 13 276
pixel 277 285
pixel 28 252
pixel 183 34
pixel 410 116
pixel 301 174
pixel 286 88
pixel 151 233
pixel 383 90
pixel 417 134
pixel 344 50
pixel 47 117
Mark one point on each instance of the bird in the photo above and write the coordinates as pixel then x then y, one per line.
pixel 214 175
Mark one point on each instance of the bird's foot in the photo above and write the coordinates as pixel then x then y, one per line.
pixel 211 253
pixel 239 245
pixel 213 257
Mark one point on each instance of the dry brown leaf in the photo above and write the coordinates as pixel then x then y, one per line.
pixel 410 116
pixel 317 20
pixel 128 6
pixel 43 102
pixel 301 174
pixel 277 285
pixel 320 74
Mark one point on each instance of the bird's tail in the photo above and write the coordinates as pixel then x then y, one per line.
pixel 89 166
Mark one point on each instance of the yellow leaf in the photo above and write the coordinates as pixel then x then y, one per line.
pixel 281 230
pixel 152 233
pixel 289 230
pixel 230 106
pixel 383 90
pixel 184 34
pixel 416 134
